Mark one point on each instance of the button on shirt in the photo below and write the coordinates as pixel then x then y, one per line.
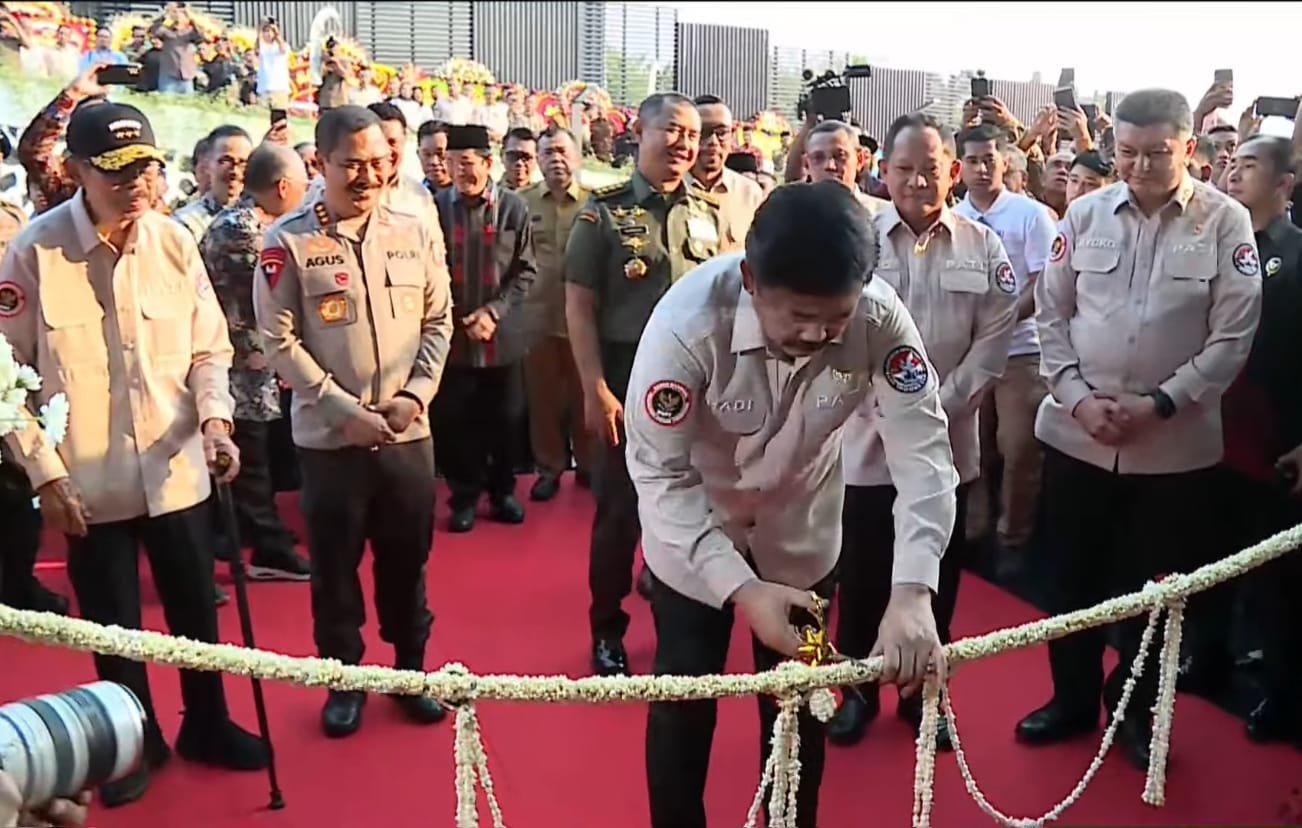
pixel 736 452
pixel 957 285
pixel 1026 230
pixel 146 325
pixel 1130 303
pixel 352 313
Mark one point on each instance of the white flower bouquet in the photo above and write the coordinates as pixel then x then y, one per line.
pixel 16 382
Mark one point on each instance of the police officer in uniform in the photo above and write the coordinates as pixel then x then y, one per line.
pixel 630 243
pixel 355 312
pixel 954 276
pixel 1146 313
pixel 745 376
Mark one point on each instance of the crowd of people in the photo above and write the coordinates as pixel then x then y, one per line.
pixel 1073 340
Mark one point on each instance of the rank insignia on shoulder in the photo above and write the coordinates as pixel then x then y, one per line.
pixel 609 190
pixel 322 214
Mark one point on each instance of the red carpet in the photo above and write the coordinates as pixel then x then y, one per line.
pixel 514 599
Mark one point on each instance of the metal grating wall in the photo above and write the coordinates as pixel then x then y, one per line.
pixel 106 10
pixel 888 94
pixel 426 33
pixel 728 61
pixel 295 19
pixel 592 42
pixel 1023 98
pixel 640 52
pixel 537 44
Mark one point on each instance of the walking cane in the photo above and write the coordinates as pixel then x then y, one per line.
pixel 226 505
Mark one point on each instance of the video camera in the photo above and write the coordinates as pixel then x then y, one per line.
pixel 828 94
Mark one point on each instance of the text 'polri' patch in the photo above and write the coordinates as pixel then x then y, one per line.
pixel 668 402
pixel 273 263
pixel 1059 248
pixel 1004 278
pixel 1245 260
pixel 905 370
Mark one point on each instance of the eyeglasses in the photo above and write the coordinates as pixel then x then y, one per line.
pixel 517 156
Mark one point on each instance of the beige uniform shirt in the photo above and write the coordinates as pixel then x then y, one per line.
pixel 959 287
pixel 350 316
pixel 739 198
pixel 873 204
pixel 137 342
pixel 551 220
pixel 736 452
pixel 1131 304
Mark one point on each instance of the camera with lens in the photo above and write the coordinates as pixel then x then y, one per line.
pixel 828 95
pixel 58 745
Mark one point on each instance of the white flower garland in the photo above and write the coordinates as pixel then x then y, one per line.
pixel 794 684
pixel 16 383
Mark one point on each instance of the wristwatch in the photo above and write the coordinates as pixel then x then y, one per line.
pixel 1164 405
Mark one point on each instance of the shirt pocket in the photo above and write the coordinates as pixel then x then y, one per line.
pixel 967 280
pixel 328 304
pixel 405 281
pixel 1190 271
pixel 75 333
pixel 168 325
pixel 741 418
pixel 1097 272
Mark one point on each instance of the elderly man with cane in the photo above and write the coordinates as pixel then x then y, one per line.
pixel 109 301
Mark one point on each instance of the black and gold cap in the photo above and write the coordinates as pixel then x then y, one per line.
pixel 112 136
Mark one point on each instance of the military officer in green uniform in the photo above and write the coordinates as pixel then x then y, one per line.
pixel 631 241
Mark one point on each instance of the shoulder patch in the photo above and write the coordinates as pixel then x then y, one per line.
pixel 1059 248
pixel 668 402
pixel 602 193
pixel 1004 278
pixel 1245 260
pixel 905 370
pixel 273 261
pixel 701 195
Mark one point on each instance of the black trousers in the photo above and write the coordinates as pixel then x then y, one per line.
pixel 478 418
pixel 282 455
pixel 1107 534
pixel 867 557
pixel 616 529
pixel 105 577
pixel 254 492
pixel 692 640
pixel 351 496
pixel 20 534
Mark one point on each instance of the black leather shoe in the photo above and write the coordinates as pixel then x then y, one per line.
pixel 859 706
pixel 342 714
pixel 645 583
pixel 1268 722
pixel 35 597
pixel 223 744
pixel 421 709
pixel 1056 722
pixel 1135 736
pixel 609 658
pixel 910 710
pixel 545 488
pixel 462 519
pixel 507 510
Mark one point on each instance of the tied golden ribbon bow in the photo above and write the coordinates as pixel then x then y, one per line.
pixel 816 646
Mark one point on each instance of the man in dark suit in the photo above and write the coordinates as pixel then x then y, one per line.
pixel 480 407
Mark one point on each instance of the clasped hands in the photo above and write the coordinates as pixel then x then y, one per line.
pixel 1115 419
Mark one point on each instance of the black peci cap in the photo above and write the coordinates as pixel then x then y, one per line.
pixel 468 137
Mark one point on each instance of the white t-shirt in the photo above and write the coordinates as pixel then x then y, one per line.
pixel 1027 231
pixel 273 68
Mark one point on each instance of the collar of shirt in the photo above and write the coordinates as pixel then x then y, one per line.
pixel 890 219
pixel 724 185
pixel 1002 199
pixel 642 190
pixel 1184 193
pixel 88 235
pixel 487 197
pixel 571 192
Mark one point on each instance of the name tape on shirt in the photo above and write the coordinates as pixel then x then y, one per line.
pixel 1004 278
pixel 905 370
pixel 273 264
pixel 1245 260
pixel 1059 248
pixel 12 300
pixel 668 402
